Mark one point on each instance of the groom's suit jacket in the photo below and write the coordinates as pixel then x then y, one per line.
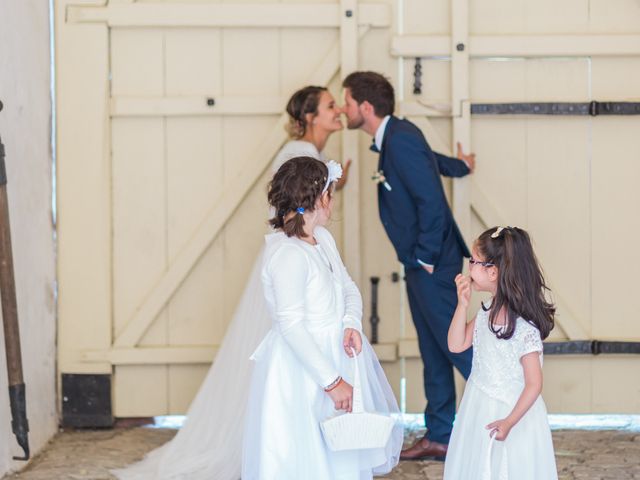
pixel 415 212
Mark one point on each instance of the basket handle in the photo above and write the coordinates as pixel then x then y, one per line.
pixel 486 474
pixel 357 405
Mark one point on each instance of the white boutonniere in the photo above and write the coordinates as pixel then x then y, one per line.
pixel 379 177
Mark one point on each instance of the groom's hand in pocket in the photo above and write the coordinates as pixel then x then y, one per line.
pixel 352 339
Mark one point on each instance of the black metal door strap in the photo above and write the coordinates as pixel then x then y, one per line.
pixel 593 108
pixel 591 347
pixel 374 319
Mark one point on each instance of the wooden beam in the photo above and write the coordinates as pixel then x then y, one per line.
pixel 126 106
pixel 461 110
pixel 519 45
pixel 350 150
pixel 230 15
pixel 420 109
pixel 152 355
pixel 83 260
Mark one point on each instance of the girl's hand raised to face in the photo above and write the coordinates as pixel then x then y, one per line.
pixel 463 284
pixel 352 339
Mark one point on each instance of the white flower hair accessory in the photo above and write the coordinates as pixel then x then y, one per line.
pixel 497 233
pixel 335 173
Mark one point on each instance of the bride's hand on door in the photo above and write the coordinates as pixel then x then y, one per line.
pixel 342 181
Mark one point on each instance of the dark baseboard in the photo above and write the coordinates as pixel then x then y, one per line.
pixel 86 400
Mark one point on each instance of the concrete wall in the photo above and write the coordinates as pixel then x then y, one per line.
pixel 25 129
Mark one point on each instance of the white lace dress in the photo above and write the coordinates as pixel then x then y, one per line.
pixel 493 388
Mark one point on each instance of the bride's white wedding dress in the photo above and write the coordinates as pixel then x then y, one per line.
pixel 209 444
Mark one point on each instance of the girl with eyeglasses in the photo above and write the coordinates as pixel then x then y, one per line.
pixel 501 429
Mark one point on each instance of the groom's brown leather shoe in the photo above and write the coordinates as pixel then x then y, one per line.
pixel 424 448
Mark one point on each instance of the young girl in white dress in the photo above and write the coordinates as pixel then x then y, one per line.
pixel 501 431
pixel 303 370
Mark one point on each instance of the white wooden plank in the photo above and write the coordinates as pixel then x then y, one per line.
pixel 519 45
pixel 184 383
pixel 350 151
pixel 192 61
pixel 225 15
pixel 136 62
pixel 84 192
pixel 461 198
pixel 190 354
pixel 138 225
pixel 124 106
pixel 615 227
pixel 140 390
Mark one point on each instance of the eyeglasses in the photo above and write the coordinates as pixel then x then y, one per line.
pixel 478 262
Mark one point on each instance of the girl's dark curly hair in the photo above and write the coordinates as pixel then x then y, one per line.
pixel 298 183
pixel 521 285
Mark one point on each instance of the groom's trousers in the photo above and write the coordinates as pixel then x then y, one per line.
pixel 433 300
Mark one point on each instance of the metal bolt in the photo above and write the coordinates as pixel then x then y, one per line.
pixel 349 13
pixel 211 102
pixel 460 47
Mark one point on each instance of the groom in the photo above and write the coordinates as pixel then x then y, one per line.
pixel 415 214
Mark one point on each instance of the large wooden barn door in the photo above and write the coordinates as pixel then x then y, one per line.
pixel 170 112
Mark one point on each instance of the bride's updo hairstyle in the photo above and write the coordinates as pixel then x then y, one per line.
pixel 301 103
pixel 295 189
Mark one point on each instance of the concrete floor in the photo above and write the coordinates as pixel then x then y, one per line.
pixel 85 454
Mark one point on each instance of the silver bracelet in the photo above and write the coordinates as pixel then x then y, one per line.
pixel 333 384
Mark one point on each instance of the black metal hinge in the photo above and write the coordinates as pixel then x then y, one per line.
pixel 557 108
pixel 591 347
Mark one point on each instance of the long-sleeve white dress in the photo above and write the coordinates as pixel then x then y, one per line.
pixel 311 299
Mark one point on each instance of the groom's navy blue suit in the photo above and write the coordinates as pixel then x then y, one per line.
pixel 421 227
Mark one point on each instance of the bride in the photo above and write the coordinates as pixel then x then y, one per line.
pixel 209 444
